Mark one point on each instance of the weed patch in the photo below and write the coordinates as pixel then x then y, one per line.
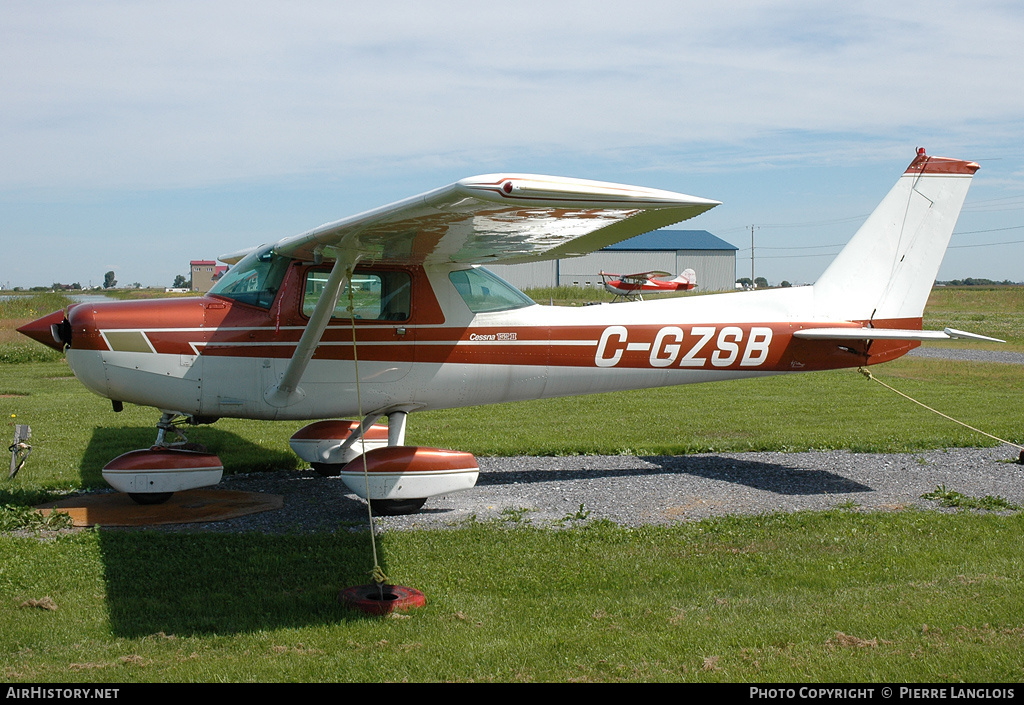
pixel 21 353
pixel 951 498
pixel 15 518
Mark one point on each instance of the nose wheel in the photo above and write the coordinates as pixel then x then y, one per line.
pixel 150 498
pixel 396 507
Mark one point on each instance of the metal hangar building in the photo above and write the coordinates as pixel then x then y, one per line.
pixel 713 259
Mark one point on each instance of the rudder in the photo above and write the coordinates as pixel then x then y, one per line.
pixel 888 268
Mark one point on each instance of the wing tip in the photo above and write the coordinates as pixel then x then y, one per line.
pixel 563 189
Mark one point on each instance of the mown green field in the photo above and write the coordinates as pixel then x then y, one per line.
pixel 812 597
pixel 994 311
pixel 840 596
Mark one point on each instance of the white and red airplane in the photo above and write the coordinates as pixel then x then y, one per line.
pixel 632 286
pixel 388 312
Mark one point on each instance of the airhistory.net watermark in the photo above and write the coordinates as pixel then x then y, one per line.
pixel 54 693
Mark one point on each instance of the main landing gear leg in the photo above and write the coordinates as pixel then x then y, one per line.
pixel 396 428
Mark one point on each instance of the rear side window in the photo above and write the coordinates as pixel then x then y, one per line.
pixel 376 295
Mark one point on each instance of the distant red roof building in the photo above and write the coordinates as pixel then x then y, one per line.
pixel 205 272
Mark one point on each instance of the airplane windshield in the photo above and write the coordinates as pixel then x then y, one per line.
pixel 254 280
pixel 484 291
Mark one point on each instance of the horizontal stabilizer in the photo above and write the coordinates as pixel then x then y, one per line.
pixel 888 334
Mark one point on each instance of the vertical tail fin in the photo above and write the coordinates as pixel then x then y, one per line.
pixel 887 270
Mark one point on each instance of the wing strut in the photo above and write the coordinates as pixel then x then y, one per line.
pixel 287 391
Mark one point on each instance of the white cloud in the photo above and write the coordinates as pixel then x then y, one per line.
pixel 170 94
pixel 116 98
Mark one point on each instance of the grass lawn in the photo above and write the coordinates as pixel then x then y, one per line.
pixel 839 596
pixel 815 597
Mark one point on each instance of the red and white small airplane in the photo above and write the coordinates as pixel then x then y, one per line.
pixel 632 286
pixel 389 312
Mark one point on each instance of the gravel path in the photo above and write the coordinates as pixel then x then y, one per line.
pixel 1011 358
pixel 645 490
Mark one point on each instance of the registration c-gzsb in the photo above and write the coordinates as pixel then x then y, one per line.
pixel 666 350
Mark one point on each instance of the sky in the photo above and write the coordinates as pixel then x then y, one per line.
pixel 137 136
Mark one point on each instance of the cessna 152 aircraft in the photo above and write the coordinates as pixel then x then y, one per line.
pixel 388 312
pixel 631 286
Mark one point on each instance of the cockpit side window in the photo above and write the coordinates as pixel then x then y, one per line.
pixel 376 295
pixel 255 280
pixel 484 292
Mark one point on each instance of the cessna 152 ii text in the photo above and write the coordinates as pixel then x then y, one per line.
pixel 389 312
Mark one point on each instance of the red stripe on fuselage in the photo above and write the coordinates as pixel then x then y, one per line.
pixel 183 326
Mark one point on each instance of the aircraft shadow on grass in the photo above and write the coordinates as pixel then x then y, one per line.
pixel 184 583
pixel 769 477
pixel 213 583
pixel 193 583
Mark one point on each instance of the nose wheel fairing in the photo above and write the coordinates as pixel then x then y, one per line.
pixel 151 476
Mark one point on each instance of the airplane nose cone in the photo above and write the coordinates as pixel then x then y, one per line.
pixel 43 329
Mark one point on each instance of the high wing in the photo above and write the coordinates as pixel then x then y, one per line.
pixel 496 219
pixel 479 220
pixel 643 276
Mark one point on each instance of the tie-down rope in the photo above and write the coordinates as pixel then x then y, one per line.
pixel 870 376
pixel 377 573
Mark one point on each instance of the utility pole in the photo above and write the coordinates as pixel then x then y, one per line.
pixel 751 255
